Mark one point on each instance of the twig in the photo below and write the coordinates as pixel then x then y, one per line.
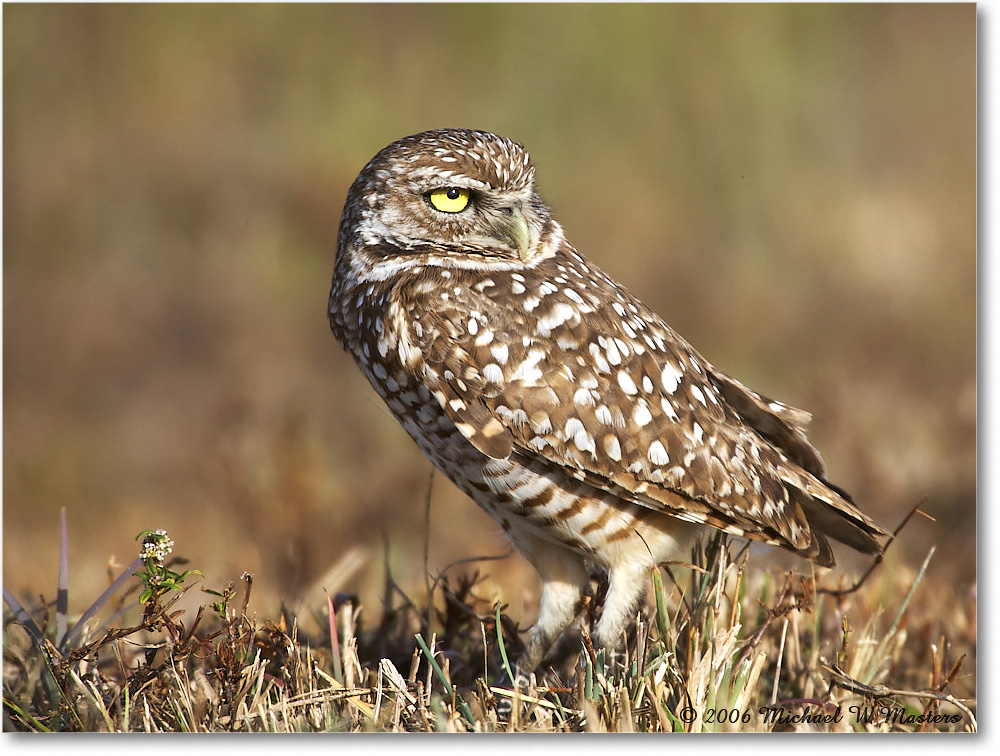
pixel 62 590
pixel 838 592
pixel 842 680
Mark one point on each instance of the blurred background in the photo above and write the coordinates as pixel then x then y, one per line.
pixel 793 188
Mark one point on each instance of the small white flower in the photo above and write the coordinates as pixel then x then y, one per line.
pixel 157 546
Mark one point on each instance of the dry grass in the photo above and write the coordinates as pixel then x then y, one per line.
pixel 722 647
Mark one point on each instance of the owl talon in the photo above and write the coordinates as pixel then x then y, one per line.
pixel 521 684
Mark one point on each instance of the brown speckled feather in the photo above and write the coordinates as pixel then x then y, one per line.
pixel 567 409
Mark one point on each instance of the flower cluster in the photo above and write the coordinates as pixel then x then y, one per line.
pixel 157 577
pixel 156 546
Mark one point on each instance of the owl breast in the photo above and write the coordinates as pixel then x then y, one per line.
pixel 410 335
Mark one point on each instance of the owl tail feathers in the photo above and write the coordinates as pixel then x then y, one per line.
pixel 829 510
pixel 840 520
pixel 782 425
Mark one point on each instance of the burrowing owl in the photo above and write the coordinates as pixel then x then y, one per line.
pixel 567 409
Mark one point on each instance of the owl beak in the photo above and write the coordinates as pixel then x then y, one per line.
pixel 519 233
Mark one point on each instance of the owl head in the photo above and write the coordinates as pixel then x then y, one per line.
pixel 458 193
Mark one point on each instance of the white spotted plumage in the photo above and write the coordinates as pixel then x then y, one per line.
pixel 567 409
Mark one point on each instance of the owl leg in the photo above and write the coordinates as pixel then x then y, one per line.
pixel 626 588
pixel 564 579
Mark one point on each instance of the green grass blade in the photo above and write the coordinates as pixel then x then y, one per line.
pixel 880 652
pixel 503 648
pixel 24 716
pixel 462 706
pixel 662 623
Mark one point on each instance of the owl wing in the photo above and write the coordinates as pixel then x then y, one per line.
pixel 602 389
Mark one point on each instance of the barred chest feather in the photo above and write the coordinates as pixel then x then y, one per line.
pixel 441 352
pixel 548 368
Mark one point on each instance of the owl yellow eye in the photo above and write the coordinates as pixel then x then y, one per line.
pixel 450 199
